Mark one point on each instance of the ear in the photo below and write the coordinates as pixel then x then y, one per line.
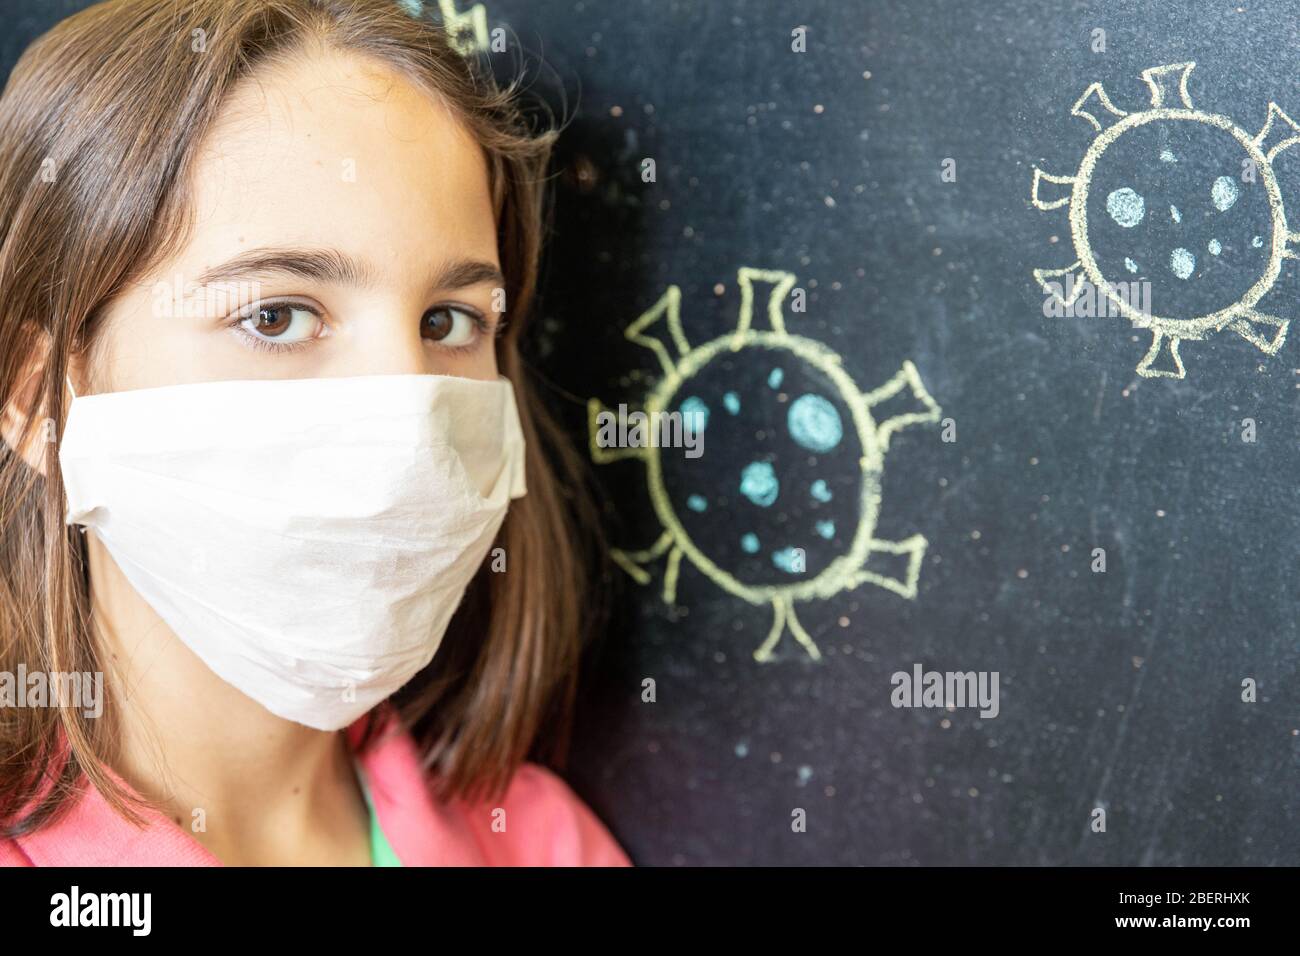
pixel 25 425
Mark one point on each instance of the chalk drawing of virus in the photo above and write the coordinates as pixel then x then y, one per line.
pixel 781 507
pixel 1182 199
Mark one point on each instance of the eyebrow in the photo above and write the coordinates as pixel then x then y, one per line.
pixel 331 265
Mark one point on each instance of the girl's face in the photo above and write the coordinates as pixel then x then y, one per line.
pixel 343 225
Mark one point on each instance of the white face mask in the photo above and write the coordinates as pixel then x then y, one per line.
pixel 308 539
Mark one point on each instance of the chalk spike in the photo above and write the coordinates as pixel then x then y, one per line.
pixel 781 282
pixel 1099 111
pixel 1036 190
pixel 603 454
pixel 1164 348
pixel 912 550
pixel 670 575
pixel 1266 332
pixel 925 409
pixel 1066 291
pixel 783 618
pixel 1161 81
pixel 1279 133
pixel 466 31
pixel 634 562
pixel 667 310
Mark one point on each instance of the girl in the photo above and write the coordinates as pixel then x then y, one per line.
pixel 268 446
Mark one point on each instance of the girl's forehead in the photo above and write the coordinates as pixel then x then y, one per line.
pixel 336 149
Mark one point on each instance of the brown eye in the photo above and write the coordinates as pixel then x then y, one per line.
pixel 436 324
pixel 273 320
pixel 449 326
pixel 281 322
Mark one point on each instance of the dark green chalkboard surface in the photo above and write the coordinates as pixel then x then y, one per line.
pixel 982 309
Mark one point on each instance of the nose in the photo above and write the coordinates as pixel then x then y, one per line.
pixel 387 342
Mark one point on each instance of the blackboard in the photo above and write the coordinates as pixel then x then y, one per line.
pixel 1120 690
pixel 884 178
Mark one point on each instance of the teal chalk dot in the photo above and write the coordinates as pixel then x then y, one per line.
pixel 826 529
pixel 789 560
pixel 697 503
pixel 814 423
pixel 1126 207
pixel 820 491
pixel 1223 193
pixel 775 378
pixel 413 7
pixel 750 543
pixel 758 483
pixel 732 402
pixel 695 413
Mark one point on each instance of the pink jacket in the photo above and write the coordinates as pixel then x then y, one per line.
pixel 546 824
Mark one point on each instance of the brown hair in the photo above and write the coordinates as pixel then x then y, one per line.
pixel 116 98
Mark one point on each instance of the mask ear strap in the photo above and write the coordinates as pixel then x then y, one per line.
pixel 68 379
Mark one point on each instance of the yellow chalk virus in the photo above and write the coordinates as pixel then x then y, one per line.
pixel 780 506
pixel 1183 201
